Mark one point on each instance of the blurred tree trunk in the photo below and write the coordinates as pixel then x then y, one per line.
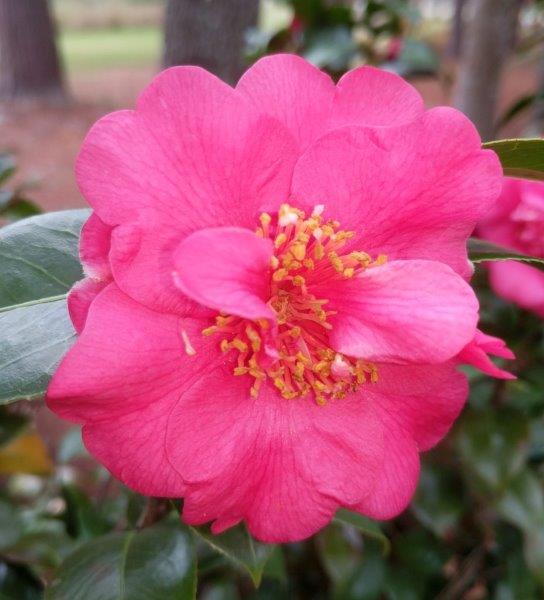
pixel 209 33
pixel 456 38
pixel 488 41
pixel 29 61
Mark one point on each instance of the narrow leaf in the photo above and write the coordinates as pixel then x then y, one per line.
pixel 482 251
pixel 516 108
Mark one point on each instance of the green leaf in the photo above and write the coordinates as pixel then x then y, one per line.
pixel 11 526
pixel 20 208
pixel 152 564
pixel 517 581
pixel 366 526
pixel 34 339
pixel 18 583
pixel 493 448
pixel 522 504
pixel 83 520
pixel 340 553
pixel 421 553
pixel 438 503
pixel 482 251
pixel 404 584
pixel 240 548
pixel 367 580
pixel 39 258
pixel 38 265
pixel 43 546
pixel 520 157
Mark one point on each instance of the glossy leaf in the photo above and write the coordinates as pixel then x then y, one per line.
pixel 240 548
pixel 340 553
pixel 38 265
pixel 368 579
pixel 18 583
pixel 84 521
pixel 39 258
pixel 11 526
pixel 152 564
pixel 366 526
pixel 520 157
pixel 483 251
pixel 44 544
pixel 493 448
pixel 438 503
pixel 522 504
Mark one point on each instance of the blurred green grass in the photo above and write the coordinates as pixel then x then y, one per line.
pixel 94 49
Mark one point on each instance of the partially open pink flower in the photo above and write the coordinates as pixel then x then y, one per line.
pixel 517 222
pixel 276 295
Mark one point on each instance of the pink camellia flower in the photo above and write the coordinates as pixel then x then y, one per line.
pixel 276 292
pixel 517 222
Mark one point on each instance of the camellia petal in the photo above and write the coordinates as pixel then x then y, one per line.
pixel 306 101
pixel 194 154
pixel 80 299
pixel 132 355
pixel 398 477
pixel 374 98
pixel 226 268
pixel 424 399
pixel 283 467
pixel 476 354
pixel 519 283
pixel 517 222
pixel 135 360
pixel 413 191
pixel 94 247
pixel 403 311
pixel 294 92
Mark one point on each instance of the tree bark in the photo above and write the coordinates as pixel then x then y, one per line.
pixel 29 60
pixel 209 33
pixel 488 42
pixel 456 37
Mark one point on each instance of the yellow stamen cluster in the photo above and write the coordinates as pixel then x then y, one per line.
pixel 295 354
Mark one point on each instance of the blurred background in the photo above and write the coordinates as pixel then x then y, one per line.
pixel 476 527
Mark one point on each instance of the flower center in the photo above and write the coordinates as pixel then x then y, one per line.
pixel 296 355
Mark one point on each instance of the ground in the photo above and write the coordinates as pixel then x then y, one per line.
pixel 106 69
